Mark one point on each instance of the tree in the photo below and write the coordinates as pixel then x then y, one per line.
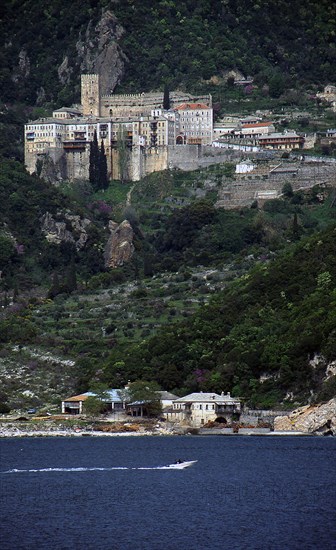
pixel 146 392
pixel 122 155
pixel 94 163
pixel 287 190
pixel 98 165
pixel 103 178
pixel 93 406
pixel 55 286
pixel 70 283
pixel 166 98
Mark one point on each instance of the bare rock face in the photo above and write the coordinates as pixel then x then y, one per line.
pixel 23 68
pixel 319 419
pixel 58 231
pixel 64 71
pixel 100 52
pixel 119 248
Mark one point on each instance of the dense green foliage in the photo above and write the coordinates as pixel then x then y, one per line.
pixel 267 324
pixel 278 42
pixel 26 257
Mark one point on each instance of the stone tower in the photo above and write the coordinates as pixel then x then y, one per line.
pixel 90 94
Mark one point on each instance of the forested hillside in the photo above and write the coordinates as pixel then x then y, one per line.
pixel 46 46
pixel 189 311
pixel 211 299
pixel 268 335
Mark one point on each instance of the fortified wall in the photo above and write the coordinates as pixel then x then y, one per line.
pixel 193 157
pixel 121 105
pixel 267 183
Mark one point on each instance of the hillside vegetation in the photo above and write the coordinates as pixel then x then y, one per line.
pixel 212 299
pixel 242 300
pixel 183 44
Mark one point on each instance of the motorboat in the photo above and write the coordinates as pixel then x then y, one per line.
pixel 179 465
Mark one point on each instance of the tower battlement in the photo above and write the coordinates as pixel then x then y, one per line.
pixel 90 94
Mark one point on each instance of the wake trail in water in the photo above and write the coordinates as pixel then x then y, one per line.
pixel 49 470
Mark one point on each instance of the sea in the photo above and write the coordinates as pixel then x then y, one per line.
pixel 111 493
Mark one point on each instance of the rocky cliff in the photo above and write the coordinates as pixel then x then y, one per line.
pixel 119 248
pixel 70 228
pixel 99 51
pixel 319 419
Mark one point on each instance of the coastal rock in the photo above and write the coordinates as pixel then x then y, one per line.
pixel 119 248
pixel 319 419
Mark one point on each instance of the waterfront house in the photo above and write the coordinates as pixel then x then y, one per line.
pixel 196 409
pixel 114 401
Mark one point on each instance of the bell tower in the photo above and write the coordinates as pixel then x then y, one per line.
pixel 90 94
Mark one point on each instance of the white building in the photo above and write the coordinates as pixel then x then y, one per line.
pixel 195 124
pixel 254 130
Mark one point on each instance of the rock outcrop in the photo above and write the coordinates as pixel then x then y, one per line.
pixel 119 248
pixel 58 231
pixel 100 53
pixel 319 419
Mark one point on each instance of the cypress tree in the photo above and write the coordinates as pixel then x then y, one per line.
pixel 55 287
pixel 166 98
pixel 70 283
pixel 103 183
pixel 94 162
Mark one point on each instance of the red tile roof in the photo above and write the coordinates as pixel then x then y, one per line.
pixel 75 398
pixel 190 106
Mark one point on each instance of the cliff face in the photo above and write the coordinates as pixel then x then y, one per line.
pixel 69 229
pixel 119 248
pixel 99 51
pixel 319 419
pixel 40 69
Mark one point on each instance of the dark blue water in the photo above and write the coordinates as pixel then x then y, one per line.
pixel 243 493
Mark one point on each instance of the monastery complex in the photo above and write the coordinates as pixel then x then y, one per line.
pixel 140 136
pixel 135 126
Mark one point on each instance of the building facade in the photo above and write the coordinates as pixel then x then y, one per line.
pixel 135 123
pixel 113 401
pixel 197 409
pixel 195 124
pixel 286 140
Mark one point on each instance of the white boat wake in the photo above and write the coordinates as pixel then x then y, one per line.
pixel 176 466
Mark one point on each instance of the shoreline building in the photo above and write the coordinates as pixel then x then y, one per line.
pixel 197 409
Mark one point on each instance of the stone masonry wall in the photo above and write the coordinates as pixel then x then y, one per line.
pixel 242 191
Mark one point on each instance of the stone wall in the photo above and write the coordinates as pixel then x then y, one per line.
pixel 193 157
pixel 77 164
pixel 243 189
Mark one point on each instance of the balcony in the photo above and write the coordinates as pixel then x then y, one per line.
pixel 77 145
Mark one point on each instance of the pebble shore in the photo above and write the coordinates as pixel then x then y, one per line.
pixel 9 431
